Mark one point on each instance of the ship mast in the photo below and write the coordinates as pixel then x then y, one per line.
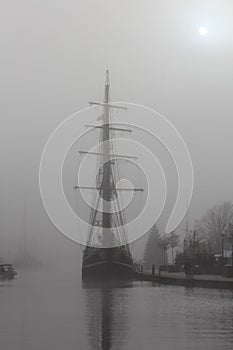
pixel 106 182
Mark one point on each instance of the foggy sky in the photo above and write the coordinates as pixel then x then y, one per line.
pixel 53 58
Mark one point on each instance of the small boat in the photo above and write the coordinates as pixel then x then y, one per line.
pixel 7 271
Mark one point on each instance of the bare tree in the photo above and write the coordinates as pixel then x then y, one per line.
pixel 214 223
pixel 173 242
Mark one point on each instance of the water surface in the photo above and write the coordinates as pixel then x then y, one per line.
pixel 50 309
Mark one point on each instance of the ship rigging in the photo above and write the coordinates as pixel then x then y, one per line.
pixel 111 257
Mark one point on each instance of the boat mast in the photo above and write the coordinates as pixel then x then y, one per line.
pixel 106 182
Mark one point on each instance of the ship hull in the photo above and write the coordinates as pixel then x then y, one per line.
pixel 107 265
pixel 107 271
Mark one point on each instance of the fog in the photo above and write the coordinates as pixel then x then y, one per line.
pixel 53 59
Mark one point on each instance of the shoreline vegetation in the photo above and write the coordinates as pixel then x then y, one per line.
pixel 207 248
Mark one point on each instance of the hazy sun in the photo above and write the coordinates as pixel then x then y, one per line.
pixel 203 31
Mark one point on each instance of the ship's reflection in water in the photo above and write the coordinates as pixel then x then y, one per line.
pixel 107 318
pixel 49 309
pixel 149 316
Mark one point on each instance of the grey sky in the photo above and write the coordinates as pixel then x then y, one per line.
pixel 53 58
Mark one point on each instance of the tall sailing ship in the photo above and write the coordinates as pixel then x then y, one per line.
pixel 112 259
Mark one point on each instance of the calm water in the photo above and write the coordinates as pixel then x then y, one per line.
pixel 51 310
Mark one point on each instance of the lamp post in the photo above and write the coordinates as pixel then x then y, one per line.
pixel 184 241
pixel 193 242
pixel 222 241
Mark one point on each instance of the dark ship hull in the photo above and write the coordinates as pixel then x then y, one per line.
pixel 107 264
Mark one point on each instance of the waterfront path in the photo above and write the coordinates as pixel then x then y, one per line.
pixel 178 278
